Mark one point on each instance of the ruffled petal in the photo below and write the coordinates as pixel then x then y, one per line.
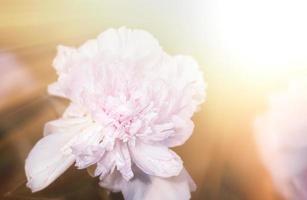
pixel 128 44
pixel 64 125
pixel 53 154
pixel 190 82
pixel 123 161
pixel 156 160
pixel 183 131
pixel 113 182
pixel 89 48
pixel 75 110
pixel 146 187
pixel 48 160
pixel 106 165
pixel 62 65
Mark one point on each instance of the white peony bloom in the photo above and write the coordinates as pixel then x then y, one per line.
pixel 130 102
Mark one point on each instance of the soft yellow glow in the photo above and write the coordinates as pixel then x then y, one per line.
pixel 263 34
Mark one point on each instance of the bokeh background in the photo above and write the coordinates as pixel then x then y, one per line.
pixel 246 49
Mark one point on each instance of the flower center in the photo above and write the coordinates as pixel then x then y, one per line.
pixel 125 118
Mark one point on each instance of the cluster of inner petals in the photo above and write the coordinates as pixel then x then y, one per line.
pixel 126 119
pixel 123 120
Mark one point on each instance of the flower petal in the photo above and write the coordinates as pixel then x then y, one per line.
pixel 183 131
pixel 64 125
pixel 47 160
pixel 123 161
pixel 191 84
pixel 74 110
pixel 128 44
pixel 63 55
pixel 156 160
pixel 146 187
pixel 105 165
pixel 113 181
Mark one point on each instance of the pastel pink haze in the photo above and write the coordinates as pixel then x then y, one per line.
pixel 281 137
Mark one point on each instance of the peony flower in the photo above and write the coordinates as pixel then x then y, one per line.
pixel 129 103
pixel 281 137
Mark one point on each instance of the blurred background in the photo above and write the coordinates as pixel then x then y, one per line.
pixel 246 49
